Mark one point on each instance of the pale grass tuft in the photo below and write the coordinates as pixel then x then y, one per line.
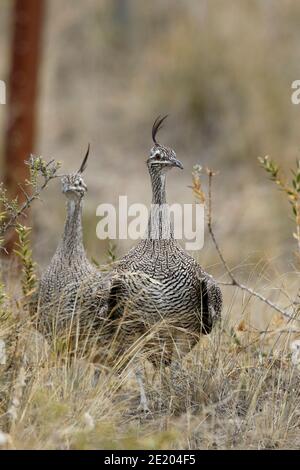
pixel 88 421
pixel 5 441
pixel 17 393
pixel 295 348
pixel 2 352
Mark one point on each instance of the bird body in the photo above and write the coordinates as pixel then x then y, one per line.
pixel 70 281
pixel 157 282
pixel 69 293
pixel 167 283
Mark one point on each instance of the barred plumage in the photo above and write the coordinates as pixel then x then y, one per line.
pixel 70 289
pixel 158 282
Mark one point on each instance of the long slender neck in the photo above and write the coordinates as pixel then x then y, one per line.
pixel 159 226
pixel 158 182
pixel 72 243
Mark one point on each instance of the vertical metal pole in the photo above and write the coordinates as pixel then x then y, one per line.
pixel 22 94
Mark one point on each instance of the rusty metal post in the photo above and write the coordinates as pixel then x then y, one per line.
pixel 22 94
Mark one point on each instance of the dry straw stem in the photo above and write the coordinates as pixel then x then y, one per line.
pixel 17 371
pixel 234 281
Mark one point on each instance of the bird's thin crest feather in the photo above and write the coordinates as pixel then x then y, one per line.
pixel 84 163
pixel 157 125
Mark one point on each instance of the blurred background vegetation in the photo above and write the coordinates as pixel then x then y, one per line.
pixel 222 70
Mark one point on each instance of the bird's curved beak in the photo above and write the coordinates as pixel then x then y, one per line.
pixel 177 163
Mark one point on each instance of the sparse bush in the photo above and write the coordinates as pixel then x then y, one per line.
pixel 291 190
pixel 11 210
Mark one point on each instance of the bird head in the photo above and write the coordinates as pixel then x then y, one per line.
pixel 73 185
pixel 161 158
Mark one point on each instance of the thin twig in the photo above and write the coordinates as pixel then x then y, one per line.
pixel 24 207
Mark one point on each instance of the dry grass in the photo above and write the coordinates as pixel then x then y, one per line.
pixel 239 388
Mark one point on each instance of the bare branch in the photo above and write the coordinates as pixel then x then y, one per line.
pixel 234 281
